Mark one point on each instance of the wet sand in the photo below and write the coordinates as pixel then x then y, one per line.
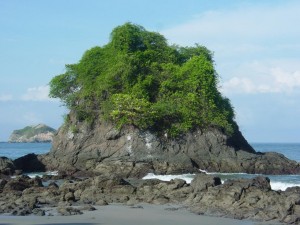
pixel 126 215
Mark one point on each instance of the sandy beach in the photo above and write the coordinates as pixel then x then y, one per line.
pixel 125 215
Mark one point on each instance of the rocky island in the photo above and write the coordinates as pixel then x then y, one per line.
pixel 139 106
pixel 34 133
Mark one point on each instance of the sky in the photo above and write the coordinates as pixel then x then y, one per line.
pixel 256 45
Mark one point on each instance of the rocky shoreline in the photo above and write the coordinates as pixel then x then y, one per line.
pixel 99 165
pixel 240 199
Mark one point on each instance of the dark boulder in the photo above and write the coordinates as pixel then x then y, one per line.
pixel 21 183
pixel 29 163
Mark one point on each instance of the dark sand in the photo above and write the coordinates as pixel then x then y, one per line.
pixel 126 215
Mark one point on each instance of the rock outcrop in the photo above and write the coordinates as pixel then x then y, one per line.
pixel 102 149
pixel 241 199
pixel 36 133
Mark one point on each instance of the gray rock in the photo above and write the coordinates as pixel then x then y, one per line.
pixel 7 166
pixel 38 212
pixel 241 199
pixel 87 208
pixel 68 211
pixel 130 152
pixel 247 199
pixel 101 202
pixel 202 182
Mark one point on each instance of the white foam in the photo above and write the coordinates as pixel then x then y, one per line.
pixel 33 175
pixel 275 185
pixel 282 186
pixel 217 173
pixel 187 177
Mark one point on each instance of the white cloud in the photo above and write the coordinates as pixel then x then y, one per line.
pixel 5 98
pixel 37 94
pixel 263 78
pixel 256 45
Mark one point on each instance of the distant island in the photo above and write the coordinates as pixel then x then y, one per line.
pixel 34 133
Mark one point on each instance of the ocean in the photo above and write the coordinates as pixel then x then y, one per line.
pixel 16 150
pixel 278 182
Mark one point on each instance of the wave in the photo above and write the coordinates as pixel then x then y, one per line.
pixel 276 185
pixel 281 182
pixel 187 177
pixel 40 174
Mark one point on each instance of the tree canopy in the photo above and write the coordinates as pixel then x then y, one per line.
pixel 138 79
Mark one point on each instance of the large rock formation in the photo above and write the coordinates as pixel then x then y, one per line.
pixel 102 149
pixel 153 86
pixel 36 133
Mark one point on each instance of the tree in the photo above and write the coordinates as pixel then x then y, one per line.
pixel 138 79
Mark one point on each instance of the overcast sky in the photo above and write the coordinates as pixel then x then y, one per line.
pixel 256 47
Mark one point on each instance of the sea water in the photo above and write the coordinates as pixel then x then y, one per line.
pixel 278 182
pixel 17 150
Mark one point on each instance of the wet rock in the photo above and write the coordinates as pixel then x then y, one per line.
pixel 101 202
pixel 18 184
pixel 68 211
pixel 21 211
pixel 202 182
pixel 7 166
pixel 87 208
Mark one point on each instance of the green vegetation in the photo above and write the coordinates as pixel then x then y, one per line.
pixel 138 79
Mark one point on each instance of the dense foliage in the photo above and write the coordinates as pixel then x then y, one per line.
pixel 138 79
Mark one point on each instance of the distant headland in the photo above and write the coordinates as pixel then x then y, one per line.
pixel 34 133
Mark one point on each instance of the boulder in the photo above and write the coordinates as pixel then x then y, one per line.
pixel 202 182
pixel 21 183
pixel 68 211
pixel 29 163
pixel 7 166
pixel 247 199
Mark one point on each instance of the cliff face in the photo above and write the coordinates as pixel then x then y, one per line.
pixel 102 149
pixel 37 133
